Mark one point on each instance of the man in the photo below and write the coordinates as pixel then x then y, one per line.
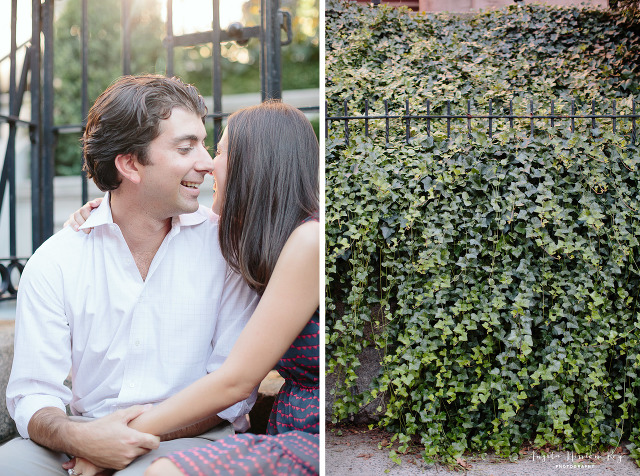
pixel 139 308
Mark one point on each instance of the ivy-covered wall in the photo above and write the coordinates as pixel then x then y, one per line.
pixel 499 278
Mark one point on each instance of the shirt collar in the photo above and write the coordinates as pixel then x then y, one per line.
pixel 99 216
pixel 190 219
pixel 102 216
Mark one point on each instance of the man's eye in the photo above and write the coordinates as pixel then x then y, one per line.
pixel 185 150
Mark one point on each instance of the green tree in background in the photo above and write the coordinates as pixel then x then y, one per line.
pixel 105 62
pixel 240 64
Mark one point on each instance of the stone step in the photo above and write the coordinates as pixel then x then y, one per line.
pixel 7 426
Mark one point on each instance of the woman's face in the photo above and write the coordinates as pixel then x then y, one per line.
pixel 220 173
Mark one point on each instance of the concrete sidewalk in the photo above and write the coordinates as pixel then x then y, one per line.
pixel 356 452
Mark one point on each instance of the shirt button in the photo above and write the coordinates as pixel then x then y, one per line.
pixel 138 343
pixel 131 385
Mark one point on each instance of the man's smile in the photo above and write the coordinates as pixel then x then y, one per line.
pixel 190 184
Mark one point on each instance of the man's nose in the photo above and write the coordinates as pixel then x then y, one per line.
pixel 205 161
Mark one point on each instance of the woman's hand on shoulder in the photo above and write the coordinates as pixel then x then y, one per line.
pixel 77 218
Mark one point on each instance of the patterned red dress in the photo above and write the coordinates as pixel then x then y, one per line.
pixel 292 444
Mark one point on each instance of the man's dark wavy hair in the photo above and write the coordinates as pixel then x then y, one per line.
pixel 126 118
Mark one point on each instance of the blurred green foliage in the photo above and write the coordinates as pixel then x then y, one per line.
pixel 240 65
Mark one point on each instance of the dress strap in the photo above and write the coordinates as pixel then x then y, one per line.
pixel 313 217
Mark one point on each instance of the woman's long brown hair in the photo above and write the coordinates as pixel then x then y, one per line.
pixel 272 185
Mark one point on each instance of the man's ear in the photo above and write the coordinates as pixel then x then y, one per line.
pixel 129 167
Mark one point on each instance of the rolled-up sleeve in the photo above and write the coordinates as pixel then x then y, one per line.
pixel 42 345
pixel 237 304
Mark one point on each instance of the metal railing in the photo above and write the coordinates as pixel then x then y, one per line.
pixel 444 117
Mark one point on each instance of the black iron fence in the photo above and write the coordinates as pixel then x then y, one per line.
pixel 426 119
pixel 37 77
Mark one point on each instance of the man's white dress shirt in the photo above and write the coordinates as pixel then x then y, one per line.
pixel 83 306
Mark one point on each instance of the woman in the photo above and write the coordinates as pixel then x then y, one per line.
pixel 266 175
